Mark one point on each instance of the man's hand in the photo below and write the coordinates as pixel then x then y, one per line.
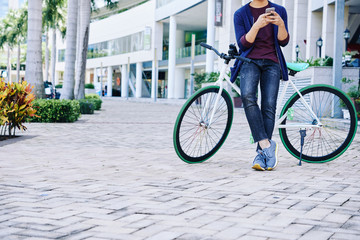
pixel 275 19
pixel 262 21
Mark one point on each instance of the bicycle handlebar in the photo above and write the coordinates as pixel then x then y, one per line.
pixel 206 46
pixel 211 48
pixel 223 55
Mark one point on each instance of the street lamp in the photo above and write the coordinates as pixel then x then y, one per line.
pixel 346 37
pixel 297 50
pixel 319 43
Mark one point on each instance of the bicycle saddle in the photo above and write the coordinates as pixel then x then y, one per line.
pixel 296 67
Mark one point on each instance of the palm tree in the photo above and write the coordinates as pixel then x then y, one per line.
pixel 53 19
pixel 71 44
pixel 18 33
pixel 70 52
pixel 83 39
pixel 33 73
pixel 7 24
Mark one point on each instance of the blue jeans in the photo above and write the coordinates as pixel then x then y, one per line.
pixel 266 72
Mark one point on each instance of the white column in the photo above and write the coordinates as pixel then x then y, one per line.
pixel 290 5
pixel 138 79
pixel 96 81
pixel 314 30
pixel 154 79
pixel 124 81
pixel 328 29
pixel 210 39
pixel 109 81
pixel 180 83
pixel 299 32
pixel 95 76
pixel 294 35
pixel 308 30
pixel 172 57
pixel 338 42
pixel 56 77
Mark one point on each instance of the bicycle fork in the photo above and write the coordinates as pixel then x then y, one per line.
pixel 220 82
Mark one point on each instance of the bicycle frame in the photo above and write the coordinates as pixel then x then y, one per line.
pixel 223 77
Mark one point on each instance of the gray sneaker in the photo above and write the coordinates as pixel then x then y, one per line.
pixel 259 161
pixel 271 155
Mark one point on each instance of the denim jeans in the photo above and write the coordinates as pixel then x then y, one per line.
pixel 266 72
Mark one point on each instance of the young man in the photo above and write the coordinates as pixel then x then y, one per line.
pixel 259 36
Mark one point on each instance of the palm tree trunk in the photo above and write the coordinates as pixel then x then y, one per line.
pixel 53 57
pixel 47 55
pixel 18 63
pixel 85 11
pixel 9 64
pixel 70 52
pixel 33 73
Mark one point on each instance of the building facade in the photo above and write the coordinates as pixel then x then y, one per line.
pixel 145 51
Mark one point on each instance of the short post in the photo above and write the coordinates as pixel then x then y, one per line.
pixel 192 70
pixel 319 43
pixel 346 37
pixel 297 50
pixel 128 79
pixel 101 79
pixel 155 77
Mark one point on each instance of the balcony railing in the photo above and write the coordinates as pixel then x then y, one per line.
pixel 185 52
pixel 160 3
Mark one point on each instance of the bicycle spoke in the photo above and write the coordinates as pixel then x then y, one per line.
pixel 324 142
pixel 196 138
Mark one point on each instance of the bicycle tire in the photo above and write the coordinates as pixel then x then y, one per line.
pixel 333 138
pixel 194 141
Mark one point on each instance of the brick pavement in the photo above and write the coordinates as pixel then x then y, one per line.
pixel 115 175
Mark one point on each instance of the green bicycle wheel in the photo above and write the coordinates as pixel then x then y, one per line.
pixel 194 139
pixel 336 114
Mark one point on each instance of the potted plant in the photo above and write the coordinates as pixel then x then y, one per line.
pixel 354 93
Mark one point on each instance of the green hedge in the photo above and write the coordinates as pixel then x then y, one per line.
pixel 56 110
pixel 87 106
pixel 95 99
pixel 89 86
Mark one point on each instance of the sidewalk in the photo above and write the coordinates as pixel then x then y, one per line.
pixel 115 175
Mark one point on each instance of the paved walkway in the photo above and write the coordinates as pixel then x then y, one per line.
pixel 115 175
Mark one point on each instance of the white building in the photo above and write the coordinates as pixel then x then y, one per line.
pixel 150 42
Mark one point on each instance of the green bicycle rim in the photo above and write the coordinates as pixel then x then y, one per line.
pixel 295 95
pixel 178 120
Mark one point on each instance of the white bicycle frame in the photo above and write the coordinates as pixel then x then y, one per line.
pixel 223 77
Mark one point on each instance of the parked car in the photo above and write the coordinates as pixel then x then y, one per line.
pixel 50 91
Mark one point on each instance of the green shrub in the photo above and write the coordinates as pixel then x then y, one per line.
pixel 327 61
pixel 56 110
pixel 58 86
pixel 95 99
pixel 200 78
pixel 92 95
pixel 86 106
pixel 89 86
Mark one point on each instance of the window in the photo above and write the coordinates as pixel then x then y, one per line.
pixel 130 43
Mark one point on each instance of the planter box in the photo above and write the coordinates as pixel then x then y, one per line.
pixel 346 114
pixel 357 106
pixel 89 91
pixel 323 75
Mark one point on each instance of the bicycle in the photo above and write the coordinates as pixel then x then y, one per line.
pixel 316 112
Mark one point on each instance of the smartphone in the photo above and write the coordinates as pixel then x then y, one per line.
pixel 268 10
